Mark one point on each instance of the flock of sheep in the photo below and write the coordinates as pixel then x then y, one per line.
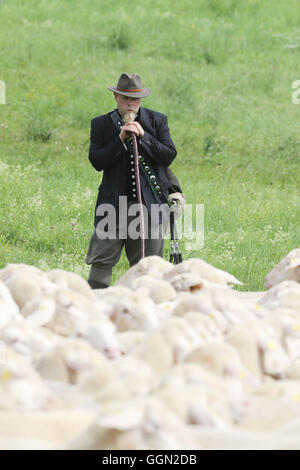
pixel 171 357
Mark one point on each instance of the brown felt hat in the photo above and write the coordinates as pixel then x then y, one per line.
pixel 130 84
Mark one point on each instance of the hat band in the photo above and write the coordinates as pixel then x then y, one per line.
pixel 124 89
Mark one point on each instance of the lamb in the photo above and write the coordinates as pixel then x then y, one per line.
pixel 197 266
pixel 196 404
pixel 154 266
pixel 158 289
pixel 101 335
pixel 39 430
pixel 111 293
pixel 275 361
pixel 72 281
pixel 136 425
pixel 9 310
pixel 285 325
pixel 128 340
pixel 70 362
pixel 27 341
pixel 220 304
pixel 288 269
pixel 131 378
pixel 12 268
pixel 285 295
pixel 171 359
pixel 134 312
pixel 26 285
pixel 193 303
pixel 266 414
pixel 167 345
pixel 21 388
pixel 187 282
pixel 244 338
pixel 156 352
pixel 71 308
pixel 204 326
pixel 222 359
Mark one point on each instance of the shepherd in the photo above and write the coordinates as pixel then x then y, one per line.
pixel 111 150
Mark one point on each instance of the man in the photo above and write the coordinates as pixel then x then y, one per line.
pixel 111 152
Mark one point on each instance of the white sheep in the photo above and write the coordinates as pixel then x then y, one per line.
pixel 244 338
pixel 21 388
pixel 71 309
pixel 128 340
pixel 40 430
pixel 196 404
pixel 132 378
pixel 221 359
pixel 285 295
pixel 40 310
pixel 72 281
pixel 9 310
pixel 197 266
pixel 157 289
pixel 154 266
pixel 266 413
pixel 187 282
pixel 111 293
pixel 26 285
pixel 275 361
pixel 136 425
pixel 288 269
pixel 13 268
pixel 27 341
pixel 135 311
pixel 101 335
pixel 204 326
pixel 70 361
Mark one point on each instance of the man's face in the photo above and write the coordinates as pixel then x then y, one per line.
pixel 127 103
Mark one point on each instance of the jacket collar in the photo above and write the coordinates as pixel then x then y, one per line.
pixel 144 119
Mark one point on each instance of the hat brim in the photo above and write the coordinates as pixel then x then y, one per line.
pixel 134 94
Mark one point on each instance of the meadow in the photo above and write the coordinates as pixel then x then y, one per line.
pixel 222 71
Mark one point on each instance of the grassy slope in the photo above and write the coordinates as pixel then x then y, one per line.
pixel 221 72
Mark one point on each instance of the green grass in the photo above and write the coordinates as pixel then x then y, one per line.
pixel 221 70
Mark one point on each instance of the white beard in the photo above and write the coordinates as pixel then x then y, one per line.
pixel 129 116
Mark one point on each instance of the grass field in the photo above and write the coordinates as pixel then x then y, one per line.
pixel 221 70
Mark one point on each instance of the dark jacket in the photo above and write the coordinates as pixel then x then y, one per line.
pixel 107 153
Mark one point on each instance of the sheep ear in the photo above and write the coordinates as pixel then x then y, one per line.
pixel 122 420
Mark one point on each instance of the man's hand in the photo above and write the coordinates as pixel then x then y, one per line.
pixel 130 127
